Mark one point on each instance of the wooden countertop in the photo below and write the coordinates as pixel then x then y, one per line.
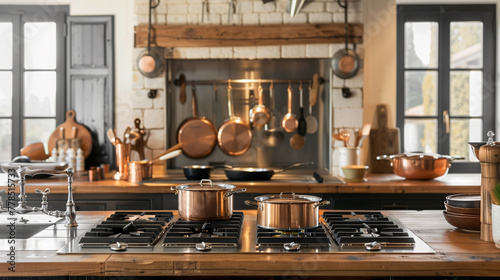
pixel 376 183
pixel 458 253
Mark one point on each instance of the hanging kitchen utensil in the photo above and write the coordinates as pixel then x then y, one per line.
pixel 293 7
pixel 311 121
pixel 298 140
pixel 289 121
pixel 273 135
pixel 182 89
pixel 151 61
pixel 196 134
pixel 260 114
pixel 81 132
pixel 346 62
pixel 234 136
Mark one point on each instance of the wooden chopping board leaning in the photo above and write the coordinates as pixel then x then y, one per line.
pixel 383 141
pixel 79 134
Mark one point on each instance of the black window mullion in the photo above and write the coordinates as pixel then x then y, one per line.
pixel 443 143
pixel 17 88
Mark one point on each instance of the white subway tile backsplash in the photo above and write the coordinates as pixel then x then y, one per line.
pixel 195 8
pixel 176 19
pixel 156 138
pixel 219 8
pixel 140 99
pixel 180 9
pixel 197 53
pixel 159 100
pixel 154 83
pixel 222 52
pixel 320 18
pixel 244 7
pixel 137 80
pixel 293 51
pixel 313 7
pixel 348 117
pixel 355 101
pixel 270 18
pixel 245 52
pixel 161 9
pixel 339 17
pixel 260 7
pixel 298 18
pixel 333 6
pixel 154 118
pixel 141 7
pixel 317 50
pixel 251 19
pixel 268 52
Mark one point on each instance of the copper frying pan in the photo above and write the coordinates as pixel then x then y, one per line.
pixel 234 136
pixel 197 135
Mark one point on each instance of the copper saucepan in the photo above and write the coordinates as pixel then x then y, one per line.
pixel 419 166
pixel 139 171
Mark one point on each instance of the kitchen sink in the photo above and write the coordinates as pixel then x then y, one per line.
pixel 24 226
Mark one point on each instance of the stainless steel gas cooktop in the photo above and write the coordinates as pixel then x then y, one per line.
pixel 164 232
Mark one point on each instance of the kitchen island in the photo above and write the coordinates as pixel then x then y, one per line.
pixel 457 253
pixel 380 191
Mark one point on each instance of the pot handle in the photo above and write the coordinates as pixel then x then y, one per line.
pixel 321 203
pixel 251 203
pixel 230 193
pixel 292 193
pixel 204 181
pixel 174 188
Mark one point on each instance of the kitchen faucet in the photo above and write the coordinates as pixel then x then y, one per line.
pixel 23 208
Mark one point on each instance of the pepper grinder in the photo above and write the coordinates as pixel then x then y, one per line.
pixel 489 157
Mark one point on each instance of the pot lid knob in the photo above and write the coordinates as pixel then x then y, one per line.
pixel 490 135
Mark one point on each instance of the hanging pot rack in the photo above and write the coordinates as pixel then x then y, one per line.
pixel 177 82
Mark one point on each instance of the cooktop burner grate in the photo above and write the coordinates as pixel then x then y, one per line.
pixel 137 229
pixel 305 237
pixel 362 228
pixel 219 233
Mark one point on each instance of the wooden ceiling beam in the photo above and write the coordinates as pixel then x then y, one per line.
pixel 247 35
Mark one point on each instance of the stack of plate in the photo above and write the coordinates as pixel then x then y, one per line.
pixel 463 211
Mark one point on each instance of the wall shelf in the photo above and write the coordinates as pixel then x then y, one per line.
pixel 247 35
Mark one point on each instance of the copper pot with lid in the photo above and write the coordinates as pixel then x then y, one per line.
pixel 420 166
pixel 206 200
pixel 287 211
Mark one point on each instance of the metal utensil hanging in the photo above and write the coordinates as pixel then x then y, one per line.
pixel 345 62
pixel 150 62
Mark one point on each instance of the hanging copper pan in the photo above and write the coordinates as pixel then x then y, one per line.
pixel 196 134
pixel 234 136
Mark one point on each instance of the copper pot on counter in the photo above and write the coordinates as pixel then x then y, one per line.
pixel 418 166
pixel 139 171
pixel 206 201
pixel 287 211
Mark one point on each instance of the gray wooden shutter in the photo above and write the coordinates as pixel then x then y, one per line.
pixel 90 80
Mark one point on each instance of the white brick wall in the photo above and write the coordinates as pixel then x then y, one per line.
pixel 347 112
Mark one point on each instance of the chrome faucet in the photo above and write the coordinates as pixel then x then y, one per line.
pixel 22 207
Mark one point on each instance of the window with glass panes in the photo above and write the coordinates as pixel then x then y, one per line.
pixel 446 79
pixel 31 75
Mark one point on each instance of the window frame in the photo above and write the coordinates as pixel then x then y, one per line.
pixel 443 15
pixel 18 15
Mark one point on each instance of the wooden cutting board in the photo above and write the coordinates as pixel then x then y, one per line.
pixel 82 133
pixel 383 141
